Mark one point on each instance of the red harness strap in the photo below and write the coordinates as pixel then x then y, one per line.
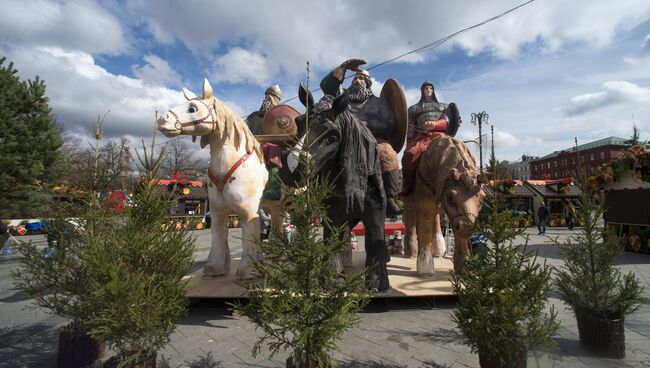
pixel 228 178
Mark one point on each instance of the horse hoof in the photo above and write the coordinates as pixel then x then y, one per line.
pixel 211 277
pixel 212 271
pixel 425 265
pixel 247 279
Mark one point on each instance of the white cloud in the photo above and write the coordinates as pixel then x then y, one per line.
pixel 543 81
pixel 239 65
pixel 615 93
pixel 642 56
pixel 156 70
pixel 79 91
pixel 326 33
pixel 75 25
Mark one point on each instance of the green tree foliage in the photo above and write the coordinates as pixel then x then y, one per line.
pixel 497 169
pixel 588 281
pixel 301 303
pixel 135 274
pixel 635 138
pixel 117 275
pixel 503 291
pixel 29 145
pixel 57 281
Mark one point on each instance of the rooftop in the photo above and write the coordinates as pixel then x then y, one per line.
pixel 609 141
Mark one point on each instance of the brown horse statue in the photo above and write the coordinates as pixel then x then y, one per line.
pixel 447 182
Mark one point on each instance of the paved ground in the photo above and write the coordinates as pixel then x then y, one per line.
pixel 411 333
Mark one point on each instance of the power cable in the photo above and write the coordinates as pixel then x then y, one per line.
pixel 440 41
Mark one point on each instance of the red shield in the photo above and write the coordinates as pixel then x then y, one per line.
pixel 280 119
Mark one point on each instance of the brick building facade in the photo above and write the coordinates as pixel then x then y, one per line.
pixel 564 163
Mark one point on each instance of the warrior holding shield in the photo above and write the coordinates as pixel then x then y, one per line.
pixel 427 119
pixel 385 116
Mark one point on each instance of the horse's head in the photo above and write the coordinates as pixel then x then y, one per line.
pixel 462 197
pixel 324 136
pixel 195 117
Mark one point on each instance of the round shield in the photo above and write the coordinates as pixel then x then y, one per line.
pixel 280 119
pixel 393 93
pixel 454 119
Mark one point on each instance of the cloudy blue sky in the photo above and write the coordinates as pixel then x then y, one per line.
pixel 548 72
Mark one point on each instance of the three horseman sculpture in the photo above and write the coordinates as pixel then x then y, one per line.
pixel 435 165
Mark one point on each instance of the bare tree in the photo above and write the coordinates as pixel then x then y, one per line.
pixel 97 166
pixel 179 159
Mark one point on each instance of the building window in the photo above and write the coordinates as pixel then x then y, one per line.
pixel 602 155
pixel 591 157
pixel 548 165
pixel 573 160
pixel 554 163
pixel 192 207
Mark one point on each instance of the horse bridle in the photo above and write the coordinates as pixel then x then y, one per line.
pixel 179 125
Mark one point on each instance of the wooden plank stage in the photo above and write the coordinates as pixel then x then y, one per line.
pixel 401 270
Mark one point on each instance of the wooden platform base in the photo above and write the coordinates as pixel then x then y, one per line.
pixel 404 281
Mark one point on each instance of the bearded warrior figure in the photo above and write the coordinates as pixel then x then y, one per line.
pixel 254 120
pixel 378 116
pixel 427 119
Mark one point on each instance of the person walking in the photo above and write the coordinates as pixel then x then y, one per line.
pixel 569 215
pixel 4 233
pixel 542 216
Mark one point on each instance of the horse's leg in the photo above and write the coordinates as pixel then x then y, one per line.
pixel 461 249
pixel 438 241
pixel 347 252
pixel 335 260
pixel 277 220
pixel 376 250
pixel 410 229
pixel 425 215
pixel 250 248
pixel 218 262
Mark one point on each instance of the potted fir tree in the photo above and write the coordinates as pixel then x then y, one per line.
pixel 599 294
pixel 135 287
pixel 56 279
pixel 502 294
pixel 301 303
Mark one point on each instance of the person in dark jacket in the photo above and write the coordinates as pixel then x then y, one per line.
pixel 4 234
pixel 542 216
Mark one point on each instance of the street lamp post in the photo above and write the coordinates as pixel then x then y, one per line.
pixel 480 118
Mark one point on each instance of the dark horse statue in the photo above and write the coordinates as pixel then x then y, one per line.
pixel 344 149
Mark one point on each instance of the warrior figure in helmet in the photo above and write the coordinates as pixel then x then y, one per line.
pixel 378 116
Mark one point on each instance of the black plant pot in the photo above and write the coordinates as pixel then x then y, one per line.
pixel 144 360
pixel 77 349
pixel 604 337
pixel 289 363
pixel 492 361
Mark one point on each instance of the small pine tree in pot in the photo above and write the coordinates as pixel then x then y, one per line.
pixel 56 279
pixel 599 294
pixel 135 287
pixel 301 302
pixel 502 294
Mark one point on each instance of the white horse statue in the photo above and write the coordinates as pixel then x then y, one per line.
pixel 237 174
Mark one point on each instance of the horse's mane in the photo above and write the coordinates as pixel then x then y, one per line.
pixel 446 153
pixel 233 128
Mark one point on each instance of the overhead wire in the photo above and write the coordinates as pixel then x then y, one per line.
pixel 429 46
pixel 440 41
